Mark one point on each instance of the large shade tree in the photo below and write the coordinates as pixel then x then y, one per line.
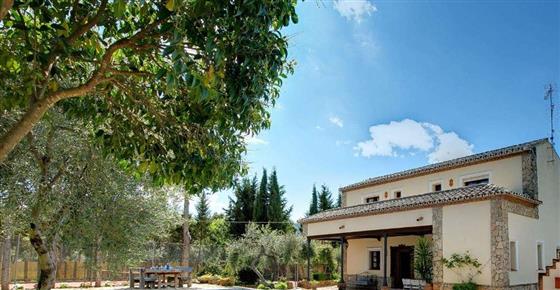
pixel 173 87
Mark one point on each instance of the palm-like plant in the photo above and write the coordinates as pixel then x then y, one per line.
pixel 423 259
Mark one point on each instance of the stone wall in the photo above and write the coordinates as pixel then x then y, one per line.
pixel 500 267
pixel 529 173
pixel 437 244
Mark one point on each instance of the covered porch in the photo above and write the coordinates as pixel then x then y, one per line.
pixel 377 258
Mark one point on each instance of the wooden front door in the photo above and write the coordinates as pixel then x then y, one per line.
pixel 401 264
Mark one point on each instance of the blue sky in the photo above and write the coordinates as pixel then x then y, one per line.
pixel 383 86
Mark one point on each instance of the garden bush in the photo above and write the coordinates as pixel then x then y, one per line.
pixel 465 286
pixel 321 276
pixel 226 281
pixel 262 287
pixel 280 285
pixel 209 278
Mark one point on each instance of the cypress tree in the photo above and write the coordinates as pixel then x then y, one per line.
pixel 339 200
pixel 260 211
pixel 240 210
pixel 278 214
pixel 314 206
pixel 202 217
pixel 325 198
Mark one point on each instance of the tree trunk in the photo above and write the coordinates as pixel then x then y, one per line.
pixel 186 238
pixel 97 265
pixel 47 267
pixel 6 255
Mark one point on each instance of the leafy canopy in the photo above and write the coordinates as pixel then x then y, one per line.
pixel 172 88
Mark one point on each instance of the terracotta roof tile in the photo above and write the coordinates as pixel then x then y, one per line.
pixel 416 201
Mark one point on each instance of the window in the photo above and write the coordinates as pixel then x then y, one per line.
pixel 540 256
pixel 374 259
pixel 372 199
pixel 436 187
pixel 477 181
pixel 513 256
pixel 398 194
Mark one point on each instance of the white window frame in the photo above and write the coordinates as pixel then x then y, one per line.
pixel 543 268
pixel 434 182
pixel 371 249
pixel 378 194
pixel 516 250
pixel 474 176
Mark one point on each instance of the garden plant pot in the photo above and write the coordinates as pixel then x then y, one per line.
pixel 428 286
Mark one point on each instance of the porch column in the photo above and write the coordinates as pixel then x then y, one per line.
pixel 342 242
pixel 308 260
pixel 385 260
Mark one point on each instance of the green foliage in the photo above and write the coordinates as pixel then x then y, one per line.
pixel 314 206
pixel 240 209
pixel 465 286
pixel 278 213
pixel 326 259
pixel 325 199
pixel 262 200
pixel 423 259
pixel 169 90
pixel 339 200
pixel 202 217
pixel 262 286
pixel 261 247
pixel 466 266
pixel 280 285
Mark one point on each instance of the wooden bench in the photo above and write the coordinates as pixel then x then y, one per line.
pixel 138 275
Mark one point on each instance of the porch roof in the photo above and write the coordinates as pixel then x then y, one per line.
pixel 457 195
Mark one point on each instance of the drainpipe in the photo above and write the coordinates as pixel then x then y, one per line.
pixel 385 260
pixel 342 242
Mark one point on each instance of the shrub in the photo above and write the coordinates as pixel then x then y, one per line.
pixel 226 281
pixel 210 279
pixel 321 276
pixel 247 276
pixel 262 286
pixel 465 286
pixel 423 259
pixel 280 285
pixel 62 286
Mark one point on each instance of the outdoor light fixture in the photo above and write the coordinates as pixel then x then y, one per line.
pixel 341 227
pixel 420 219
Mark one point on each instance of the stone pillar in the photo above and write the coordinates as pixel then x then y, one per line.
pixel 529 177
pixel 437 246
pixel 385 237
pixel 499 248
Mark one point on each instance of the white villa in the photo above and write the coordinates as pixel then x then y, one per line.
pixel 501 206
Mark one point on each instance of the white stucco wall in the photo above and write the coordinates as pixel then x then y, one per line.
pixel 504 172
pixel 548 225
pixel 466 227
pixel 523 230
pixel 358 253
pixel 393 220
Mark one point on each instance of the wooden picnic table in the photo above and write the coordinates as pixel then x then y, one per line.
pixel 162 273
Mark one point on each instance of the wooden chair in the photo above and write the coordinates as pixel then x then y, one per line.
pixel 138 275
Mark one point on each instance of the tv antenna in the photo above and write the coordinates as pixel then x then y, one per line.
pixel 548 95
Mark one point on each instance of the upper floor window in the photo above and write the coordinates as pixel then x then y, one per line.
pixel 372 199
pixel 398 194
pixel 436 187
pixel 476 179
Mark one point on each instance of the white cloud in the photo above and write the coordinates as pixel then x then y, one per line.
pixel 254 140
pixel 319 128
pixel 354 9
pixel 336 121
pixel 409 135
